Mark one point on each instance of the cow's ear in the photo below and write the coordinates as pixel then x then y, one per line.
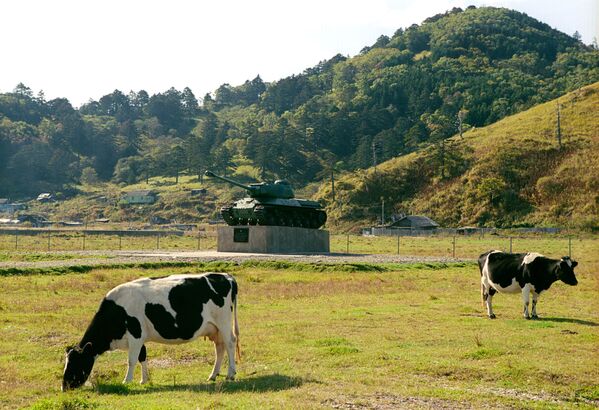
pixel 574 264
pixel 87 348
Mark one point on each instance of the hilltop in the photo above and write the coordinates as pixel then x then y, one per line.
pixel 511 173
pixel 456 70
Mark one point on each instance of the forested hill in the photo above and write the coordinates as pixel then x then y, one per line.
pixel 457 70
pixel 524 170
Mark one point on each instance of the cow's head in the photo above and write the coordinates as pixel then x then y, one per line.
pixel 565 271
pixel 78 366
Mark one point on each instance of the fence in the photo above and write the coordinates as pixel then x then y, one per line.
pixel 456 246
pixel 379 231
pixel 452 246
pixel 29 240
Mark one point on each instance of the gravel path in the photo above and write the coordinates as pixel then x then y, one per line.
pixel 96 258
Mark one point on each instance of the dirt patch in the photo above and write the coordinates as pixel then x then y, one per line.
pixel 187 360
pixel 385 401
pixel 316 289
pixel 51 339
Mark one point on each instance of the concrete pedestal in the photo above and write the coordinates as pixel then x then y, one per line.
pixel 272 239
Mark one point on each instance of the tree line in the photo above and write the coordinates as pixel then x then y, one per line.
pixel 456 70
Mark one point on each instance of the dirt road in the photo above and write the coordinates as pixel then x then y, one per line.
pixel 96 258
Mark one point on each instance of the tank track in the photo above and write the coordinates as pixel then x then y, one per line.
pixel 227 214
pixel 278 216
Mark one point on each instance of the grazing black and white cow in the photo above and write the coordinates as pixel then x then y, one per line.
pixel 173 309
pixel 525 272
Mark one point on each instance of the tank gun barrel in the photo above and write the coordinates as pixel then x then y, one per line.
pixel 271 204
pixel 230 181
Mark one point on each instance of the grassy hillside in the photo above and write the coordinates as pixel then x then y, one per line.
pixel 509 173
pixel 175 202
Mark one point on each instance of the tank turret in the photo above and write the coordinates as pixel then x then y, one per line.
pixel 272 204
pixel 279 189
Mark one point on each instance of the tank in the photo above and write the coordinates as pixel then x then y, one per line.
pixel 271 204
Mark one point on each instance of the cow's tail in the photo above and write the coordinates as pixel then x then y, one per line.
pixel 482 261
pixel 236 332
pixel 482 293
pixel 236 324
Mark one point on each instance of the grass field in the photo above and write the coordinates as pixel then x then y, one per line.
pixel 336 336
pixel 77 241
pixel 464 246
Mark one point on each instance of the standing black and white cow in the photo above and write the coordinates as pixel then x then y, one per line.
pixel 525 272
pixel 173 309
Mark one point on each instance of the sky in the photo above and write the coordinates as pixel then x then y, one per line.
pixel 82 50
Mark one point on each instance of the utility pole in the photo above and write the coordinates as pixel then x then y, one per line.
pixel 374 155
pixel 382 211
pixel 461 114
pixel 442 158
pixel 333 183
pixel 558 131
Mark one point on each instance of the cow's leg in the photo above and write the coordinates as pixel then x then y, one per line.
pixel 142 358
pixel 229 340
pixel 535 298
pixel 489 302
pixel 135 346
pixel 219 348
pixel 526 300
pixel 225 340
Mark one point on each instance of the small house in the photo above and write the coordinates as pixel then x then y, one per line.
pixel 141 197
pixel 70 223
pixel 415 222
pixel 45 197
pixel 468 230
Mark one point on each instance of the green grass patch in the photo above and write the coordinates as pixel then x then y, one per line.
pixel 483 353
pixel 588 393
pixel 227 266
pixel 336 346
pixel 331 341
pixel 58 270
pixel 315 267
pixel 35 257
pixel 62 270
pixel 64 403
